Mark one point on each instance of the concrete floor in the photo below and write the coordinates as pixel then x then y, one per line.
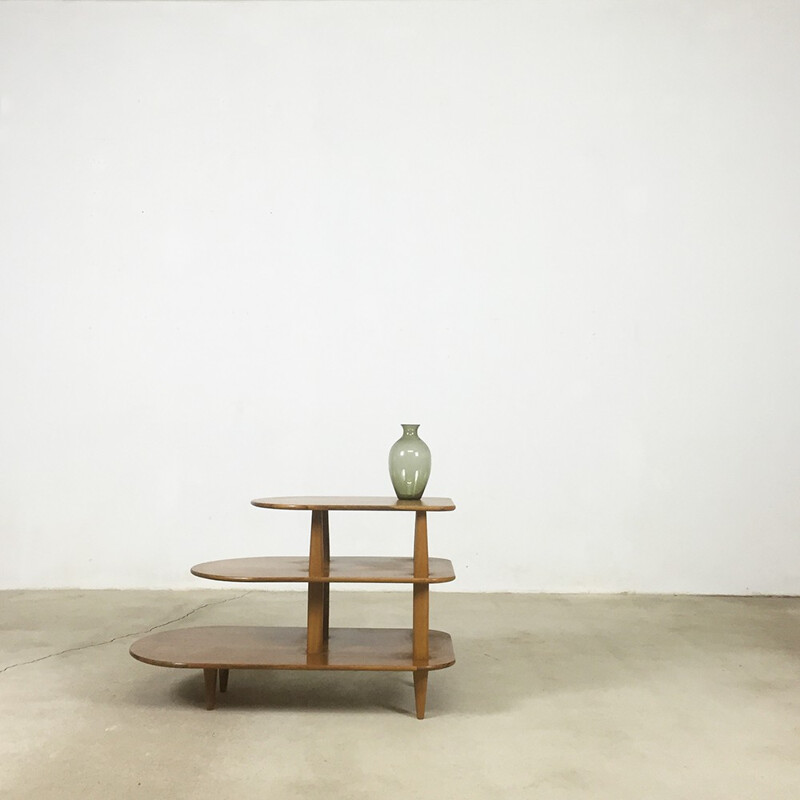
pixel 566 697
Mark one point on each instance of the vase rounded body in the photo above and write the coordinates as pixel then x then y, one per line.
pixel 409 464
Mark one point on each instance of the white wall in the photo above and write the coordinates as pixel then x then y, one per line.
pixel 241 243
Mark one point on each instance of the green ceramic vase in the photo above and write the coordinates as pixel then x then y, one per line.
pixel 409 464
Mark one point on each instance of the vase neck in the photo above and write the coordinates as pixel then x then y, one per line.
pixel 410 430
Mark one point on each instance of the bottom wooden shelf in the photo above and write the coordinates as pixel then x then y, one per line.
pixel 246 647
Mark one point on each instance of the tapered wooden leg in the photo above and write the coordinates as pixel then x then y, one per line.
pixel 421 605
pixel 223 680
pixel 420 691
pixel 421 597
pixel 318 593
pixel 210 676
pixel 326 566
pixel 421 593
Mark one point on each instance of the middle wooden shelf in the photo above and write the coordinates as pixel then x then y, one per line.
pixel 343 569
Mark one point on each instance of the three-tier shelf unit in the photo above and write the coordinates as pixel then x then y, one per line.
pixel 218 649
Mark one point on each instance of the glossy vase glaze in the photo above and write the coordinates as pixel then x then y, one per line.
pixel 409 464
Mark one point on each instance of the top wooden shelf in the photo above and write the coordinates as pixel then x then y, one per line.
pixel 356 503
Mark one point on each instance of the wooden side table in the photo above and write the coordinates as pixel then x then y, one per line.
pixel 218 649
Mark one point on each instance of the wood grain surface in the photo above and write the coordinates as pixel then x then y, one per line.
pixel 343 569
pixel 245 647
pixel 355 503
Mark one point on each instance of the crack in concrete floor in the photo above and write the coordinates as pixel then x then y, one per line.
pixel 126 635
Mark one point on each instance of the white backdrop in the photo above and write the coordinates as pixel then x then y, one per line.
pixel 241 243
